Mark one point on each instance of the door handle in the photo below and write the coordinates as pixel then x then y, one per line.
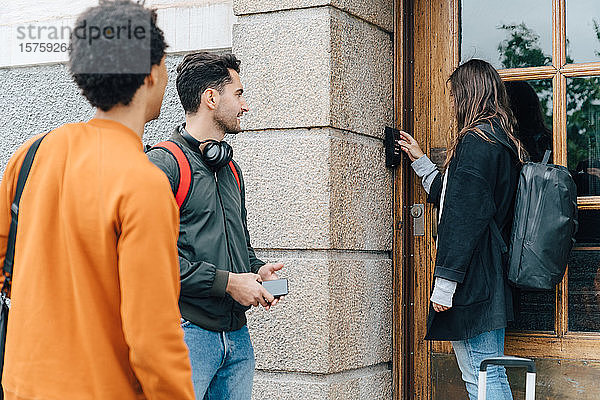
pixel 417 212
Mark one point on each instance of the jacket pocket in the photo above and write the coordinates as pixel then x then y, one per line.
pixel 238 308
pixel 476 286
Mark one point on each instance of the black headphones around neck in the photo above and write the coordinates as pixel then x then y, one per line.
pixel 216 154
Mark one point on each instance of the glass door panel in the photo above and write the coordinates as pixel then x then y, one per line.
pixel 583 31
pixel 531 103
pixel 583 133
pixel 584 275
pixel 534 311
pixel 507 34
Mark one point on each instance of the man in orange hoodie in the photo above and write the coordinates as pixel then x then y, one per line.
pixel 94 311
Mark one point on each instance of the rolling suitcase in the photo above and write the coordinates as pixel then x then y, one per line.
pixel 507 361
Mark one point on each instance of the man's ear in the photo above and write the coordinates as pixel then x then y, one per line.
pixel 210 98
pixel 152 77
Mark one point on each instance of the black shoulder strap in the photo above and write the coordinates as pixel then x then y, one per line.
pixel 546 157
pixel 14 210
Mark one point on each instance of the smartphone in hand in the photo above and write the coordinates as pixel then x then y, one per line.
pixel 277 287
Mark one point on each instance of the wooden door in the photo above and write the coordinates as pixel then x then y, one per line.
pixel 435 57
pixel 545 48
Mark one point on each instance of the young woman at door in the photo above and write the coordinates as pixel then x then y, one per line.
pixel 471 301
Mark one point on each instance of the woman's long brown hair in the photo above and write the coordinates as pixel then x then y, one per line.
pixel 480 97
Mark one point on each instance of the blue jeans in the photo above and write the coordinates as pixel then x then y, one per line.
pixel 470 353
pixel 222 362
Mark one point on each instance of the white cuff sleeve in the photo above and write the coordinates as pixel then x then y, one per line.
pixel 443 291
pixel 426 170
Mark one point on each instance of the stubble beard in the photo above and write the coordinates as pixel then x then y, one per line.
pixel 228 124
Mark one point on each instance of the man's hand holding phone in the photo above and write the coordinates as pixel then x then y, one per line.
pixel 268 273
pixel 247 289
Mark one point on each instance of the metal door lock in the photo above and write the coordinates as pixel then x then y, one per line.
pixel 417 211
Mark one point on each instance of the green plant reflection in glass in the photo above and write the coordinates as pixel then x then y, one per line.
pixel 521 48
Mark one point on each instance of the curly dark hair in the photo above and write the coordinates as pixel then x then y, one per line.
pixel 200 71
pixel 107 70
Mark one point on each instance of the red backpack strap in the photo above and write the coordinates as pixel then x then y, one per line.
pixel 185 171
pixel 235 174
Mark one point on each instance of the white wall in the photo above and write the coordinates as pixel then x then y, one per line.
pixel 188 25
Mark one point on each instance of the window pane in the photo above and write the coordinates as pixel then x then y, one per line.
pixel 583 31
pixel 583 133
pixel 531 103
pixel 584 275
pixel 534 311
pixel 507 34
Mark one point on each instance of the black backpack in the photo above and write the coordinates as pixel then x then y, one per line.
pixel 544 225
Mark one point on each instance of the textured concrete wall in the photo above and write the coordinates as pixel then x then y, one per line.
pixel 377 12
pixel 329 69
pixel 318 77
pixel 41 98
pixel 187 24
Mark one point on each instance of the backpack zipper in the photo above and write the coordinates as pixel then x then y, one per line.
pixel 533 230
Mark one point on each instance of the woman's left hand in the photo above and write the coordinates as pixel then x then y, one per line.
pixel 439 308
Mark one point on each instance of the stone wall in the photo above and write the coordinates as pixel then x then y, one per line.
pixel 318 78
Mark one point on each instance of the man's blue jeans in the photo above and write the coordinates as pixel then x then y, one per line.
pixel 222 362
pixel 470 353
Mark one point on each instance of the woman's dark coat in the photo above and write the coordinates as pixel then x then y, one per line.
pixel 481 186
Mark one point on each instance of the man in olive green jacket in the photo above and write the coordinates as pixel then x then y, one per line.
pixel 220 274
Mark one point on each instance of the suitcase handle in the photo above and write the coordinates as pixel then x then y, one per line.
pixel 508 361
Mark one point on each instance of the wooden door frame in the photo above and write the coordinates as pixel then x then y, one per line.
pixel 400 322
pixel 426 25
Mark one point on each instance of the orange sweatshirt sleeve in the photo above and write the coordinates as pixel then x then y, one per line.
pixel 149 279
